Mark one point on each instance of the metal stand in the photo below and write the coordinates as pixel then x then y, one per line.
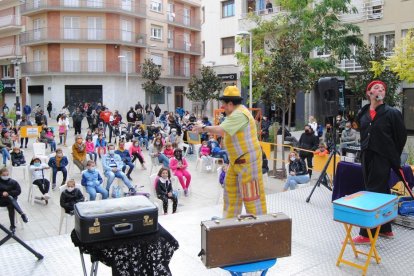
pixel 94 266
pixel 10 235
pixel 322 177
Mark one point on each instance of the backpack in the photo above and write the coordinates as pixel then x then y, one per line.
pixel 38 119
pixel 116 191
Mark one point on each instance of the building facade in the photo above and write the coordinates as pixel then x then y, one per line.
pixel 93 50
pixel 11 24
pixel 381 21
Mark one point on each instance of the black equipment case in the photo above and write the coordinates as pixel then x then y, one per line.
pixel 113 218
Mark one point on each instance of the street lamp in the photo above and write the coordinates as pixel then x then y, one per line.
pixel 126 73
pixel 244 34
pixel 16 63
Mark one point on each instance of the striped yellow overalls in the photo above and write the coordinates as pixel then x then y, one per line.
pixel 244 180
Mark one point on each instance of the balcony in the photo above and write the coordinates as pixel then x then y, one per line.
pixel 180 71
pixel 76 67
pixel 183 47
pixel 10 3
pixel 350 65
pixel 367 10
pixel 179 20
pixel 10 25
pixel 9 51
pixel 130 7
pixel 82 36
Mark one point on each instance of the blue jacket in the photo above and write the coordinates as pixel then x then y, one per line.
pixel 27 109
pixel 106 160
pixel 63 162
pixel 91 179
pixel 100 143
pixel 124 155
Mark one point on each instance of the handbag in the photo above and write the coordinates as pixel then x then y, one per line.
pixel 406 206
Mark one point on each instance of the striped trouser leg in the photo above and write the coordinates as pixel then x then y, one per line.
pixel 232 195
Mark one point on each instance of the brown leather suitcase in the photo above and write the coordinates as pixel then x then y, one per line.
pixel 245 239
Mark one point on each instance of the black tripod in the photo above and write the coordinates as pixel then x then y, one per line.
pixel 11 235
pixel 323 177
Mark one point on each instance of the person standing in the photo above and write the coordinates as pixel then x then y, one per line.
pixel 27 110
pixel 49 108
pixel 131 117
pixel 383 137
pixel 77 118
pixel 309 142
pixel 244 179
pixel 22 123
pixel 157 111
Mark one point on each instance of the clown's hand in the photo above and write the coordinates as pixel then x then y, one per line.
pixel 198 128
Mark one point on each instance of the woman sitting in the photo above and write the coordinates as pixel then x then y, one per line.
pixel 179 165
pixel 38 176
pixel 58 163
pixel 70 196
pixel 17 157
pixel 79 153
pixel 5 145
pixel 9 191
pixel 297 172
pixel 156 151
pixel 163 187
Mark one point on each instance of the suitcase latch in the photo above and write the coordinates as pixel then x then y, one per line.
pixel 148 221
pixel 96 228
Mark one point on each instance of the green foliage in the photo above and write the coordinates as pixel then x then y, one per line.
pixel 365 55
pixel 204 87
pixel 151 73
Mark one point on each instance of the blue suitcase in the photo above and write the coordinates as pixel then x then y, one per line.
pixel 366 209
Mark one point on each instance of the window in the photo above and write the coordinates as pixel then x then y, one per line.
pixel 375 10
pixel 156 5
pixel 157 59
pixel 170 12
pixel 227 8
pixel 5 69
pixel 128 63
pixel 71 27
pixel 186 19
pixel 171 66
pixel 187 42
pixel 94 3
pixel 127 5
pixel 386 40
pixel 95 60
pixel 186 67
pixel 37 64
pixel 322 52
pixel 227 45
pixel 126 28
pixel 203 45
pixel 95 28
pixel 170 39
pixel 71 60
pixel 37 31
pixel 203 11
pixel 158 98
pixel 71 3
pixel 156 32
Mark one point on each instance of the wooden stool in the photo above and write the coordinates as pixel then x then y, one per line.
pixel 238 270
pixel 372 250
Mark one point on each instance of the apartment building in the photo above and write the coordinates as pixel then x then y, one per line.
pixel 381 21
pixel 93 50
pixel 10 27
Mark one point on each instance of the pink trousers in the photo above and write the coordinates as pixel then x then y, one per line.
pixel 180 174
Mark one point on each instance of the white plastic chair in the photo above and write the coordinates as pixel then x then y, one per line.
pixel 32 187
pixel 63 214
pixel 19 171
pixel 220 190
pixel 39 150
pixel 199 159
pixel 155 163
pixel 185 147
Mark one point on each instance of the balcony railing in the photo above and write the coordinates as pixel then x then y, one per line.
pixel 181 71
pixel 132 7
pixel 183 46
pixel 183 21
pixel 367 10
pixel 349 65
pixel 9 20
pixel 81 35
pixel 264 12
pixel 9 51
pixel 77 67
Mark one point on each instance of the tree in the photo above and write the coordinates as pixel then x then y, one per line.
pixel 401 62
pixel 365 56
pixel 204 87
pixel 151 73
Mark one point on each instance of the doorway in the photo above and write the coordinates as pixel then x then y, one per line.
pixel 179 96
pixel 80 94
pixel 36 93
pixel 408 111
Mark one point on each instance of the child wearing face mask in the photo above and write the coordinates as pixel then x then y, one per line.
pixel 163 188
pixel 70 196
pixel 179 165
pixel 90 149
pixel 321 151
pixel 38 177
pixel 58 163
pixel 205 152
pixel 136 152
pixel 169 151
pixel 92 181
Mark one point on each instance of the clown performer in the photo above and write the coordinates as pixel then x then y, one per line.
pixel 244 180
pixel 383 136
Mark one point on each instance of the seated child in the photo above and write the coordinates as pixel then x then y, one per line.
pixel 222 175
pixel 136 152
pixel 70 196
pixel 321 151
pixel 205 152
pixel 100 145
pixel 169 150
pixel 163 187
pixel 38 176
pixel 90 148
pixel 92 181
pixel 17 157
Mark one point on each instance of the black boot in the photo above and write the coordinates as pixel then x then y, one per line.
pixel 310 173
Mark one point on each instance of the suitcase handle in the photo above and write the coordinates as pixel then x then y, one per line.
pixel 245 217
pixel 387 214
pixel 122 228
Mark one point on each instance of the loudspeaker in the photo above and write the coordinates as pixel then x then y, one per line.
pixel 326 98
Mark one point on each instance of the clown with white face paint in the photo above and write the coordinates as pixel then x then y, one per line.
pixel 383 136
